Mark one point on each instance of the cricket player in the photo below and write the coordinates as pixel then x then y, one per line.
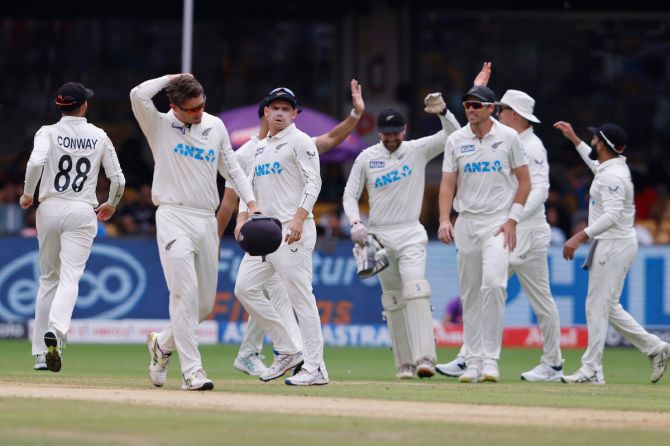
pixel 529 259
pixel 67 157
pixel 189 147
pixel 249 358
pixel 393 173
pixel 613 249
pixel 485 177
pixel 287 182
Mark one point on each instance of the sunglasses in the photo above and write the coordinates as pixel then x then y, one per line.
pixel 196 109
pixel 476 105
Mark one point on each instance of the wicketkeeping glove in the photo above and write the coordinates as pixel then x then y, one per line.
pixel 434 103
pixel 359 232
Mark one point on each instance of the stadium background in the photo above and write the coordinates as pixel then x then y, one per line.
pixel 582 64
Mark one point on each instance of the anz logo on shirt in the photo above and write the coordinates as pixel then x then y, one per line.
pixel 482 166
pixel 195 152
pixel 269 169
pixel 393 176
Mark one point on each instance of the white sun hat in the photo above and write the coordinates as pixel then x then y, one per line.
pixel 521 103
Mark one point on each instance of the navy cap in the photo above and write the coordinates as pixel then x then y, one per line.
pixel 282 93
pixel 390 121
pixel 612 136
pixel 484 94
pixel 261 107
pixel 72 94
pixel 261 235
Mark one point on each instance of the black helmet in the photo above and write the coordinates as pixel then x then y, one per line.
pixel 261 235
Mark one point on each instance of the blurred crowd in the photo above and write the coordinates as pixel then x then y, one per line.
pixel 566 208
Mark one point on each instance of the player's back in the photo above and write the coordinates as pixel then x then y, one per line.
pixel 73 151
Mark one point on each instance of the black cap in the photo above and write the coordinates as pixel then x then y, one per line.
pixel 484 94
pixel 282 93
pixel 390 121
pixel 72 94
pixel 261 235
pixel 612 136
pixel 261 107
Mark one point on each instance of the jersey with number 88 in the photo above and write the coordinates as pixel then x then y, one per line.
pixel 71 152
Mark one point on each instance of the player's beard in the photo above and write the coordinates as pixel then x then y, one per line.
pixel 593 154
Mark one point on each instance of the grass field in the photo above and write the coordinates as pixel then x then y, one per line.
pixel 363 377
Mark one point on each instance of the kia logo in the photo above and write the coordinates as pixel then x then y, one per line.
pixel 112 284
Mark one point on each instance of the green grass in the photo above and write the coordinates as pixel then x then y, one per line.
pixel 355 372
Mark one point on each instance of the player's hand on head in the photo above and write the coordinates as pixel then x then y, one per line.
pixel 445 232
pixel 483 76
pixel 434 103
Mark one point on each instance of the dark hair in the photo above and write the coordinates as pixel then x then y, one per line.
pixel 182 88
pixel 70 109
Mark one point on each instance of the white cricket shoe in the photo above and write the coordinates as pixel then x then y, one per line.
pixel 406 371
pixel 159 361
pixel 581 377
pixel 472 374
pixel 197 380
pixel 543 372
pixel 490 371
pixel 453 369
pixel 281 364
pixel 40 362
pixel 54 355
pixel 318 377
pixel 426 367
pixel 659 363
pixel 251 365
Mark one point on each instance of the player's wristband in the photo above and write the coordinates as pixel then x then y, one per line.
pixel 515 212
pixel 354 114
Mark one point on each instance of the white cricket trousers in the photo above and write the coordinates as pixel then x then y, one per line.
pixel 275 291
pixel 611 261
pixel 293 263
pixel 482 270
pixel 188 245
pixel 65 232
pixel 406 251
pixel 529 262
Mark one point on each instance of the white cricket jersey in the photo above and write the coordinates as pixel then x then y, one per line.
pixel 286 174
pixel 186 157
pixel 533 212
pixel 395 182
pixel 612 206
pixel 485 183
pixel 68 156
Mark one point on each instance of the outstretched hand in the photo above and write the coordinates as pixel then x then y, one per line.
pixel 434 103
pixel 357 97
pixel 568 132
pixel 484 75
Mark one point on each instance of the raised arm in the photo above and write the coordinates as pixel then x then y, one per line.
pixel 582 148
pixel 484 75
pixel 342 130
